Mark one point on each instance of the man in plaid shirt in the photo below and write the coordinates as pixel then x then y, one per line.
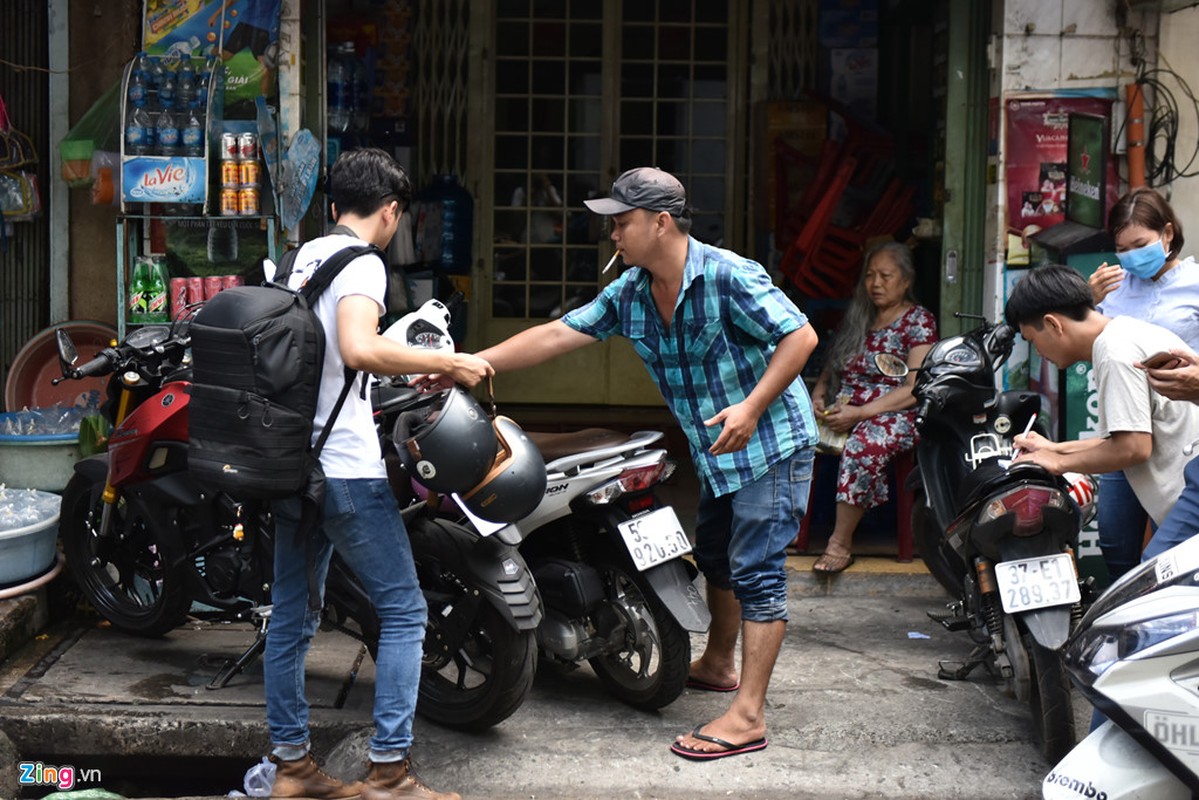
pixel 725 348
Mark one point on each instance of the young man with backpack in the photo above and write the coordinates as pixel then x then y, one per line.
pixel 361 518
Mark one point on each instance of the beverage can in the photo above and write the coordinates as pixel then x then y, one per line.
pixel 229 146
pixel 179 297
pixel 229 281
pixel 230 203
pixel 247 146
pixel 212 286
pixel 230 174
pixel 248 201
pixel 248 170
pixel 195 289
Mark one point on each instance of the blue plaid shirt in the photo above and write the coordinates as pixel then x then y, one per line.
pixel 727 320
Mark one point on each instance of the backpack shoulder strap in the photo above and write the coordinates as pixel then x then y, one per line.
pixel 332 266
pixel 286 264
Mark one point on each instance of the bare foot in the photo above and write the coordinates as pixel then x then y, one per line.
pixel 712 675
pixel 729 727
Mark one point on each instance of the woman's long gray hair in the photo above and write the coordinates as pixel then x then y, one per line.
pixel 851 335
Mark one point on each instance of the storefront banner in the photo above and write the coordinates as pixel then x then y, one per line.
pixel 1035 137
pixel 243 33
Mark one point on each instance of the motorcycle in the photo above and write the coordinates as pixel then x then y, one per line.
pixel 997 535
pixel 606 553
pixel 145 542
pixel 1134 656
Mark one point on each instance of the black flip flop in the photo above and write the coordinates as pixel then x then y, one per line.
pixel 704 686
pixel 730 748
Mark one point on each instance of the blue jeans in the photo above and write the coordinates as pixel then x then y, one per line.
pixel 741 537
pixel 1121 524
pixel 1183 520
pixel 363 522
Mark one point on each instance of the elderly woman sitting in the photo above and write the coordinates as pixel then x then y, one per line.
pixel 853 397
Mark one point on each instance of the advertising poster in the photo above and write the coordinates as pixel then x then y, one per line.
pixel 1035 139
pixel 244 34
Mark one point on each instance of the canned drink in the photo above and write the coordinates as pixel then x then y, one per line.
pixel 230 174
pixel 230 203
pixel 178 297
pixel 229 148
pixel 212 286
pixel 247 201
pixel 247 146
pixel 248 172
pixel 195 289
pixel 229 281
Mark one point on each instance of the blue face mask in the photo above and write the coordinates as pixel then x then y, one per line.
pixel 1144 262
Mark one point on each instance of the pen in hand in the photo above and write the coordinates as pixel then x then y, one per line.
pixel 1016 449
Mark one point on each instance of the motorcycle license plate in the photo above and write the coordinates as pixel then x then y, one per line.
pixel 1040 582
pixel 654 538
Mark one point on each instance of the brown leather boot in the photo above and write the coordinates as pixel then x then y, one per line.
pixel 394 780
pixel 302 778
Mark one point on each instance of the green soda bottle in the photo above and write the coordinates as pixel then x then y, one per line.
pixel 157 296
pixel 137 290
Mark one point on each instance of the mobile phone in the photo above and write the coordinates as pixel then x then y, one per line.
pixel 1158 360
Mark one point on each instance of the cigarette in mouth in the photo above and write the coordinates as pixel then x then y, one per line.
pixel 611 261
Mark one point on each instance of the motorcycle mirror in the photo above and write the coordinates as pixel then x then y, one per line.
pixel 891 365
pixel 67 354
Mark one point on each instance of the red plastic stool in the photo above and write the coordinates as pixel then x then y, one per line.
pixel 901 467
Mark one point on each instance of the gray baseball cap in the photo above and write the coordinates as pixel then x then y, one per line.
pixel 644 187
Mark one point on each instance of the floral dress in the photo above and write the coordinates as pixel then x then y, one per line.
pixel 873 442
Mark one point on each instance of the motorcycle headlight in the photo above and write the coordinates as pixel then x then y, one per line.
pixel 1107 646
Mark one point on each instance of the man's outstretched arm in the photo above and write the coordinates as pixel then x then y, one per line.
pixel 534 346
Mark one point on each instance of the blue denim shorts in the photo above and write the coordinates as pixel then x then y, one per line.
pixel 741 537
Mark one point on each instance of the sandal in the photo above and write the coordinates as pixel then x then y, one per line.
pixel 830 564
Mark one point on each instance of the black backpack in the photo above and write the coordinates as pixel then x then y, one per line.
pixel 257 353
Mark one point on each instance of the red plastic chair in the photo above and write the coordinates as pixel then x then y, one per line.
pixel 793 263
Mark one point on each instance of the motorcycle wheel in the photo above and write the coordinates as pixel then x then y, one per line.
pixel 650 669
pixel 488 677
pixel 124 574
pixel 1052 704
pixel 945 565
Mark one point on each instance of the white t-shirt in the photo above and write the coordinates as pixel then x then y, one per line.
pixel 352 449
pixel 1127 403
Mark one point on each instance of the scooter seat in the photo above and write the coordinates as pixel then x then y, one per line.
pixel 559 445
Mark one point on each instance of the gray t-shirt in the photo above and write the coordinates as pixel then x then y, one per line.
pixel 1127 403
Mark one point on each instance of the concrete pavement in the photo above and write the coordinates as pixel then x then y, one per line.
pixel 855 711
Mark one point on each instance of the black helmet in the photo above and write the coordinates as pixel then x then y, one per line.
pixel 515 484
pixel 447 445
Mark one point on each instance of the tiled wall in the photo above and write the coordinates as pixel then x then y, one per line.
pixel 1069 44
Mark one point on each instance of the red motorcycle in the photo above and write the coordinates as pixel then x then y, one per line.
pixel 148 546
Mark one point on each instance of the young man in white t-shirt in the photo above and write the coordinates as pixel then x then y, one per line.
pixel 1139 430
pixel 370 192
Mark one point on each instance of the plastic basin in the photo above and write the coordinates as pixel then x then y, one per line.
pixel 44 462
pixel 27 552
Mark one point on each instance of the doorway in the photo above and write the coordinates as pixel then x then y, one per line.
pixel 581 91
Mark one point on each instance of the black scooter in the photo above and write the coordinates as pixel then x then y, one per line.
pixel 997 535
pixel 145 541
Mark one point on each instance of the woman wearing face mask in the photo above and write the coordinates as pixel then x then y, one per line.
pixel 1152 283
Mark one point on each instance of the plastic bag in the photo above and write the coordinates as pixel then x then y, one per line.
pixel 260 778
pixel 98 129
